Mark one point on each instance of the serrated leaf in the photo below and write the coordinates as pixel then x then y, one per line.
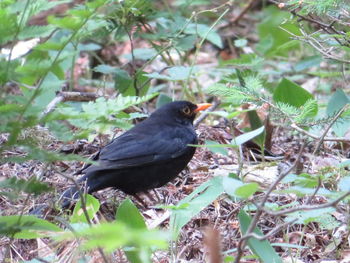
pixel 26 227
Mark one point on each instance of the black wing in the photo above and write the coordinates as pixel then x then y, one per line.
pixel 136 149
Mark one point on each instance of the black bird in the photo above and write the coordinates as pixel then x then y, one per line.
pixel 147 156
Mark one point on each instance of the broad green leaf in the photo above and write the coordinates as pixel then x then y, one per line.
pixel 302 180
pixel 344 184
pixel 104 69
pixel 26 227
pixel 291 93
pixel 142 54
pixel 174 73
pixel 162 100
pixel 185 43
pixel 262 249
pixel 115 235
pixel 92 207
pixel 302 191
pixel 240 42
pixel 212 146
pixel 231 185
pixel 241 139
pixel 122 80
pixel 130 215
pixel 322 216
pixel 200 198
pixel 68 22
pixel 238 189
pixel 247 190
pixel 9 108
pixel 271 35
pixel 338 100
pixel 256 123
pixel 204 31
pixel 308 62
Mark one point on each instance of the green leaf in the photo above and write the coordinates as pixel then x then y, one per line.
pixel 111 236
pixel 212 146
pixel 202 30
pixel 92 205
pixel 104 69
pixel 142 54
pixel 308 110
pixel 231 185
pixel 344 184
pixel 240 42
pixel 271 34
pixel 129 214
pixel 322 216
pixel 30 186
pixel 174 73
pixel 291 93
pixel 262 249
pixel 337 102
pixel 68 22
pixel 308 62
pixel 245 60
pixel 185 43
pixel 255 123
pixel 241 139
pixel 237 189
pixel 9 108
pixel 122 80
pixel 162 100
pixel 26 227
pixel 247 190
pixel 200 198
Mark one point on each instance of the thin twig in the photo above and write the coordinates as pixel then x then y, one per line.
pixel 68 96
pixel 260 208
pixel 307 207
pixel 216 103
pixel 321 138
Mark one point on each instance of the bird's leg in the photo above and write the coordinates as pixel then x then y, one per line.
pixel 140 200
pixel 157 195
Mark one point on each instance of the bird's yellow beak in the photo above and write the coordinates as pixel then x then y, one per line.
pixel 202 106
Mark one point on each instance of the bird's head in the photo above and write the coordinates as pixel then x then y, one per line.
pixel 181 111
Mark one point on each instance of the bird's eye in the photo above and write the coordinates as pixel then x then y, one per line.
pixel 186 110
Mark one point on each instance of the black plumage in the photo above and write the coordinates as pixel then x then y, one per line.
pixel 147 156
